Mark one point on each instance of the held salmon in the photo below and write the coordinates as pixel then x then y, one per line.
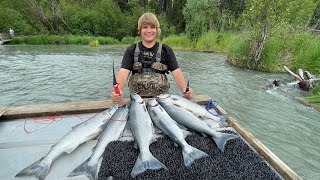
pixel 195 108
pixel 141 128
pixel 112 132
pixel 189 120
pixel 167 125
pixel 69 142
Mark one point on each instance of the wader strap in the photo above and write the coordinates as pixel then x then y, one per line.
pixel 136 53
pixel 148 70
pixel 158 55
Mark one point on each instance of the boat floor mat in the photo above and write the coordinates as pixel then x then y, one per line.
pixel 238 161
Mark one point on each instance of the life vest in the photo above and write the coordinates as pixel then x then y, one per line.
pixel 148 77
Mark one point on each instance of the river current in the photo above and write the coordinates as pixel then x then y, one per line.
pixel 55 74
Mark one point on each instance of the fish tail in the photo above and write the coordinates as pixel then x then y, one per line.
pixel 38 169
pixel 90 171
pixel 223 120
pixel 190 154
pixel 222 138
pixel 143 164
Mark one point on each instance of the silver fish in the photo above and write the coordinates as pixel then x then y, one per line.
pixel 112 132
pixel 141 127
pixel 69 142
pixel 168 126
pixel 195 108
pixel 189 120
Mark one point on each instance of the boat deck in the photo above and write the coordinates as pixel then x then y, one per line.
pixel 28 132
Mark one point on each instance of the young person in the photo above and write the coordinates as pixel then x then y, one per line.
pixel 149 61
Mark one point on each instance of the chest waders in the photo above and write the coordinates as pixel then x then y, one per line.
pixel 148 77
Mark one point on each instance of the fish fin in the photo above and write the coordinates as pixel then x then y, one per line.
pixel 157 130
pixel 223 120
pixel 149 162
pixel 181 126
pixel 90 171
pixel 97 138
pixel 153 139
pixel 190 154
pixel 75 126
pixel 70 149
pixel 222 139
pixel 185 133
pixel 37 169
pixel 136 145
pixel 175 144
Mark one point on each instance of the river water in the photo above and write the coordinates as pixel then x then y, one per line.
pixel 52 74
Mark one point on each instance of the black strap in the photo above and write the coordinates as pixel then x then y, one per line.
pixel 137 53
pixel 158 55
pixel 148 70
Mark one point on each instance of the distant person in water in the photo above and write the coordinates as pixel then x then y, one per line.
pixel 11 32
pixel 146 63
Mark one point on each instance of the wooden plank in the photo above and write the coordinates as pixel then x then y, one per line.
pixel 68 108
pixel 3 110
pixel 55 109
pixel 270 157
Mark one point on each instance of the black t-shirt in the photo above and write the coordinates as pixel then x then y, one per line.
pixel 167 56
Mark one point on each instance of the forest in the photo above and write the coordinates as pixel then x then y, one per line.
pixel 254 34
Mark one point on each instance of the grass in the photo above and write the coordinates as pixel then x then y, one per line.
pixel 314 100
pixel 271 56
pixel 308 57
pixel 179 42
pixel 314 97
pixel 64 39
pixel 128 40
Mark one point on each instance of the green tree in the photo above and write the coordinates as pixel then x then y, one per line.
pixel 230 11
pixel 201 16
pixel 10 18
pixel 263 18
pixel 174 16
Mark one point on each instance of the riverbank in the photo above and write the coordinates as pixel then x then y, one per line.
pixel 300 50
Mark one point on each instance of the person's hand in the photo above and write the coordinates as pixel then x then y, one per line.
pixel 117 97
pixel 188 94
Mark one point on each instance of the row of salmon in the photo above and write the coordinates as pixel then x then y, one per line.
pixel 172 114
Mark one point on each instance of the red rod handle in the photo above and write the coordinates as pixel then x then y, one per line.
pixel 116 89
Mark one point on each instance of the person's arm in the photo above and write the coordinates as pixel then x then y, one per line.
pixel 122 77
pixel 181 82
pixel 121 80
pixel 126 66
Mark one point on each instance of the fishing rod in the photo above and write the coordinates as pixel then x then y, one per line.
pixel 115 84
